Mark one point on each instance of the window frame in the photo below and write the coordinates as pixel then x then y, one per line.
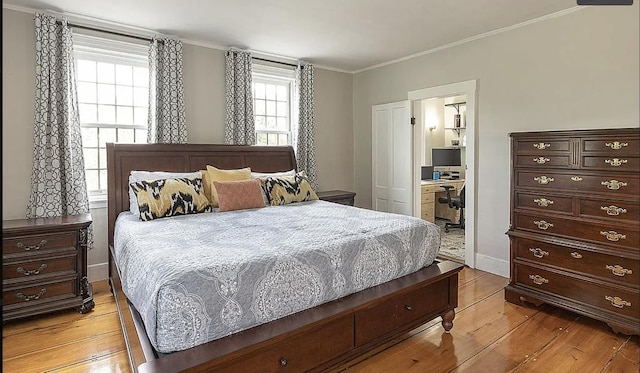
pixel 274 75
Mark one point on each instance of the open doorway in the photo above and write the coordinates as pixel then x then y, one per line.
pixel 444 138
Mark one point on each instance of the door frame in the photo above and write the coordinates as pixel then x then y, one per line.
pixel 467 88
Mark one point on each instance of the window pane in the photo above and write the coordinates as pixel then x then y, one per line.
pixel 103 157
pixel 140 116
pixel 89 137
pixel 271 123
pixel 141 96
pixel 90 158
pixel 261 139
pixel 126 135
pixel 106 135
pixel 103 179
pixel 283 109
pixel 282 124
pixel 92 179
pixel 106 114
pixel 272 139
pixel 270 92
pixel 125 115
pixel 141 136
pixel 86 70
pixel 106 72
pixel 88 113
pixel 259 90
pixel 124 74
pixel 87 92
pixel 281 93
pixel 106 94
pixel 260 122
pixel 260 107
pixel 271 108
pixel 141 76
pixel 283 139
pixel 124 95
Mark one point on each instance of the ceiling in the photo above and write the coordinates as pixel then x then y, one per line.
pixel 344 35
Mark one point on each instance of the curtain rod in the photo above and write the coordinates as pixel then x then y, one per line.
pixel 281 63
pixel 107 31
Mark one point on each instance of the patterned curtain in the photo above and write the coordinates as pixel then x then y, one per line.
pixel 239 122
pixel 58 185
pixel 167 119
pixel 306 151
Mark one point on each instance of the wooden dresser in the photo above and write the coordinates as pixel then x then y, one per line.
pixel 44 266
pixel 574 223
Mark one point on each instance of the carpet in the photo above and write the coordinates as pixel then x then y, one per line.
pixel 452 243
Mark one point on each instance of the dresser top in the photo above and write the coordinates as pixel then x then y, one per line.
pixel 43 224
pixel 579 133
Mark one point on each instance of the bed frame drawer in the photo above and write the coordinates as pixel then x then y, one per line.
pixel 400 310
pixel 301 353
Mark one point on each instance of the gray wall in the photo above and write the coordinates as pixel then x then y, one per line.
pixel 204 102
pixel 576 71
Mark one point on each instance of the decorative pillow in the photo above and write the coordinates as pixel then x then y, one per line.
pixel 152 175
pixel 262 175
pixel 216 174
pixel 170 197
pixel 288 189
pixel 239 195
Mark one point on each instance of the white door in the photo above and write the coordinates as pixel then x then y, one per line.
pixel 392 158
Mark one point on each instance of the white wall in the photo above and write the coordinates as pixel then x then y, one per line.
pixel 204 105
pixel 576 71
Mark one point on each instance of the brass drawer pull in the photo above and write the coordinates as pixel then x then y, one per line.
pixel 616 145
pixel 27 298
pixel 543 224
pixel 576 255
pixel 283 362
pixel 614 184
pixel 541 160
pixel 408 308
pixel 617 301
pixel 538 253
pixel 613 236
pixel 613 210
pixel 576 178
pixel 615 162
pixel 619 270
pixel 40 245
pixel 543 180
pixel 541 145
pixel 538 280
pixel 33 271
pixel 543 202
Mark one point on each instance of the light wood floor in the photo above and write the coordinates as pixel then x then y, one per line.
pixel 489 335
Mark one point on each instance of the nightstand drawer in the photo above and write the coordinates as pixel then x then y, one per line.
pixel 39 243
pixel 40 293
pixel 37 268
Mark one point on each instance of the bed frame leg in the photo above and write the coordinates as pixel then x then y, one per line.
pixel 447 320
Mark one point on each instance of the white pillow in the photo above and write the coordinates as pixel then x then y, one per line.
pixel 260 175
pixel 149 176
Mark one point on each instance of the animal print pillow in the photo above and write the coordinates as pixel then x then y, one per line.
pixel 288 189
pixel 170 197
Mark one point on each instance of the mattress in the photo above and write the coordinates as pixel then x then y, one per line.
pixel 197 278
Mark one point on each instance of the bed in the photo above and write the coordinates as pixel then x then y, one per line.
pixel 314 328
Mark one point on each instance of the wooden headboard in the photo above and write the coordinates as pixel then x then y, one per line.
pixel 124 158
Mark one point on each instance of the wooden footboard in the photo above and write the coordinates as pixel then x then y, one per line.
pixel 317 339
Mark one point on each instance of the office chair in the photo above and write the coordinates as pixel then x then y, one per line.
pixel 454 203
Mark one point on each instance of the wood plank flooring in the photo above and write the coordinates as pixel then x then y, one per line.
pixel 489 335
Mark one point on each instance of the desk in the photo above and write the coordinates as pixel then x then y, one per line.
pixel 431 190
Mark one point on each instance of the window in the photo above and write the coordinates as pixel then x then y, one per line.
pixel 113 99
pixel 274 108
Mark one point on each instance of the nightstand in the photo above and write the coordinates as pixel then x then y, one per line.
pixel 337 196
pixel 44 266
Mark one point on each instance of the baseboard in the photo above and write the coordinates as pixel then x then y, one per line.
pixel 492 265
pixel 98 272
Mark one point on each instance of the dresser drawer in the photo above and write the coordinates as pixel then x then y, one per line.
pixel 36 268
pixel 542 146
pixel 609 267
pixel 544 202
pixel 615 210
pixel 543 161
pixel 39 243
pixel 427 197
pixel 610 163
pixel 293 355
pixel 610 298
pixel 34 294
pixel 615 185
pixel 395 312
pixel 614 146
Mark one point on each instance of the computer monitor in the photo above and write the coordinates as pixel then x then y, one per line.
pixel 441 157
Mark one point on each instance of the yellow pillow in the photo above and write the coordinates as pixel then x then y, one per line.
pixel 170 197
pixel 216 174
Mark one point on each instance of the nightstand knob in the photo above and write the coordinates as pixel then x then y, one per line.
pixel 283 362
pixel 42 243
pixel 32 271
